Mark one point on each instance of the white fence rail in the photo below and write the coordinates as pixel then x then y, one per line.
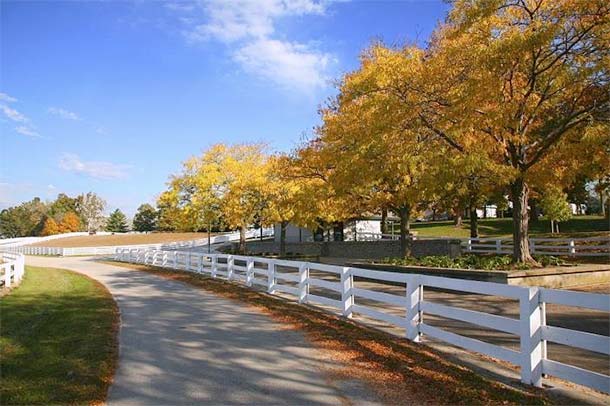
pixel 19 241
pixel 298 278
pixel 574 247
pixel 12 268
pixel 109 250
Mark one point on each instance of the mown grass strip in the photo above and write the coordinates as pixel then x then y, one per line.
pixel 58 342
pixel 399 371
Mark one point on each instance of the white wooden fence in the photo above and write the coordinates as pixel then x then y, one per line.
pixel 20 241
pixel 109 250
pixel 574 247
pixel 12 268
pixel 296 278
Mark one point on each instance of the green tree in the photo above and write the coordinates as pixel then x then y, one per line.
pixel 555 206
pixel 145 218
pixel 117 222
pixel 61 206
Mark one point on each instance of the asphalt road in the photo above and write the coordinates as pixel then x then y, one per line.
pixel 181 345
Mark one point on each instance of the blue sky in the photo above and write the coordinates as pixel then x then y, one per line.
pixel 113 96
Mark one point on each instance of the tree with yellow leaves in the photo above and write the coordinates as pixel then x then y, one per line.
pixel 533 73
pixel 50 227
pixel 377 161
pixel 225 183
pixel 286 197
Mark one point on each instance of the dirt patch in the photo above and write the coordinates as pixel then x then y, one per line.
pixel 119 239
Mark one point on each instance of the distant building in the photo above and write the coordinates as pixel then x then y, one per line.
pixel 361 228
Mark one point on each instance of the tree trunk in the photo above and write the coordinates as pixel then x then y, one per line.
pixel 242 240
pixel 534 210
pixel 283 225
pixel 384 221
pixel 552 227
pixel 519 197
pixel 474 223
pixel 405 230
pixel 457 221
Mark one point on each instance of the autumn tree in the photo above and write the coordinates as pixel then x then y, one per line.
pixel 225 183
pixel 117 222
pixel 50 227
pixel 537 74
pixel 290 196
pixel 378 162
pixel 70 223
pixel 512 80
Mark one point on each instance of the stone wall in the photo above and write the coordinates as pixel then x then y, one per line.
pixel 357 249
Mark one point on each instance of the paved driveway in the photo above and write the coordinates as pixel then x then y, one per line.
pixel 181 345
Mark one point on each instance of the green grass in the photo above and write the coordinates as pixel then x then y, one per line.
pixel 576 226
pixel 58 339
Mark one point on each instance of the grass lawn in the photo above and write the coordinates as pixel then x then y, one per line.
pixel 399 371
pixel 58 339
pixel 503 227
pixel 120 239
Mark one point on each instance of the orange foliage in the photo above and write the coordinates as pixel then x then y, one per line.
pixel 70 223
pixel 50 227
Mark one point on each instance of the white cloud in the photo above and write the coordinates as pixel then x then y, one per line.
pixel 249 28
pixel 63 113
pixel 25 127
pixel 6 98
pixel 27 131
pixel 95 169
pixel 179 6
pixel 13 114
pixel 288 64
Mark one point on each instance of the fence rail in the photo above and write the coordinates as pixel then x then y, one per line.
pixel 297 278
pixel 12 268
pixel 109 250
pixel 574 247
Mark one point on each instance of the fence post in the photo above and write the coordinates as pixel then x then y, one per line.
pixel 271 277
pixel 347 295
pixel 572 248
pixel 543 323
pixel 530 340
pixel 188 261
pixel 469 245
pixel 164 260
pixel 532 246
pixel 21 267
pixel 415 295
pixel 7 275
pixel 249 271
pixel 498 246
pixel 303 282
pixel 200 264
pixel 214 265
pixel 230 263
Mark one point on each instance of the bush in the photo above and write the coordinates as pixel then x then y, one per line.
pixel 471 261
